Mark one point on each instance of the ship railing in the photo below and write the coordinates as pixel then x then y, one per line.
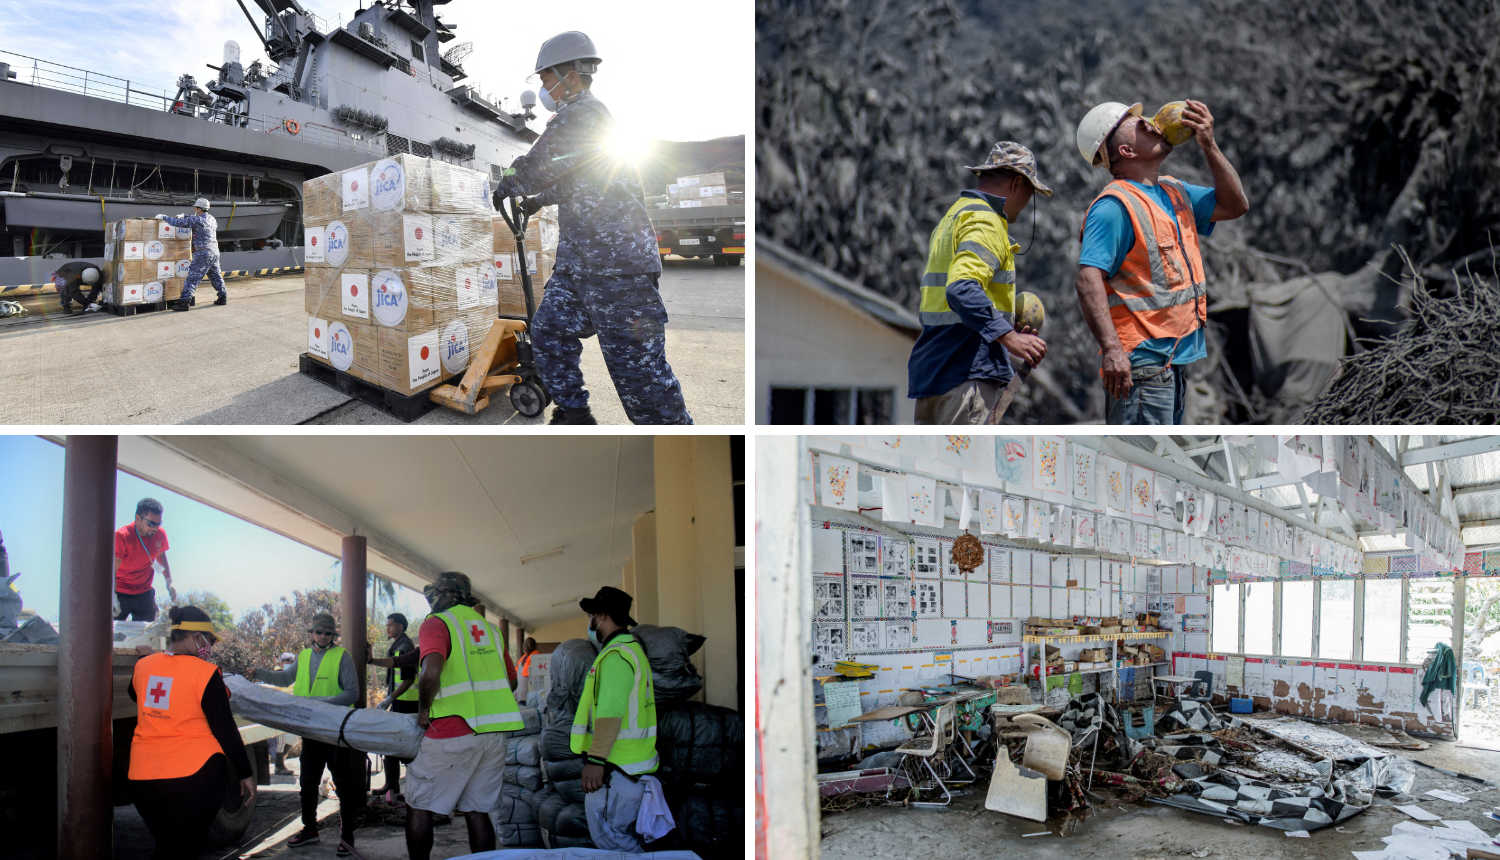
pixel 56 76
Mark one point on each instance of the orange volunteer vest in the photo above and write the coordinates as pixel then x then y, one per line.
pixel 526 665
pixel 172 738
pixel 1159 290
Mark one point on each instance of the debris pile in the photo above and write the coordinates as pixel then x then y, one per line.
pixel 1443 368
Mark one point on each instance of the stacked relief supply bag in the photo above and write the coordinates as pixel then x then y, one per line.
pixel 514 817
pixel 541 257
pixel 400 279
pixel 674 678
pixel 145 261
pixel 559 807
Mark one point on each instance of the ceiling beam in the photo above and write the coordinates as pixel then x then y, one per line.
pixel 1179 456
pixel 1466 448
pixel 1234 478
pixel 1204 448
pixel 1476 488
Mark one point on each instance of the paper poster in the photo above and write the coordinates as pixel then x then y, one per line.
pixel 1169 545
pixel 1085 475
pixel 839 482
pixel 1116 482
pixel 927 599
pixel 922 505
pixel 895 598
pixel 862 553
pixel 926 559
pixel 959 451
pixel 1119 535
pixel 999 560
pixel 1164 500
pixel 828 644
pixel 828 599
pixel 1013 461
pixel 1140 534
pixel 893 499
pixel 864 638
pixel 1038 515
pixel 1062 525
pixel 1140 493
pixel 893 557
pixel 865 599
pixel 1205 511
pixel 991 518
pixel 898 635
pixel 1083 530
pixel 1047 465
pixel 1154 541
pixel 1013 511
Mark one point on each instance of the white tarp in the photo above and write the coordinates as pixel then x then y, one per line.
pixel 366 729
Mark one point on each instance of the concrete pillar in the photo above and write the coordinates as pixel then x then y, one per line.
pixel 627 580
pixel 695 554
pixel 786 800
pixel 643 566
pixel 353 608
pixel 85 653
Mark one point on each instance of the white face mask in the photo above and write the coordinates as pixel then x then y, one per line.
pixel 545 97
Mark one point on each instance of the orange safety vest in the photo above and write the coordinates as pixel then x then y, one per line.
pixel 526 665
pixel 172 737
pixel 1159 290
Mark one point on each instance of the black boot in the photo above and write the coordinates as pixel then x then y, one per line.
pixel 223 299
pixel 572 416
pixel 182 304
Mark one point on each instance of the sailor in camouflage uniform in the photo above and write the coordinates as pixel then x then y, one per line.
pixel 72 280
pixel 607 270
pixel 205 253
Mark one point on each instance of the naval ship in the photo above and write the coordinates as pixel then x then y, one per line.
pixel 79 148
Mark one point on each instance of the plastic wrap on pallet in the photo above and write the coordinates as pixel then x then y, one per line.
pixel 541 256
pixel 367 729
pixel 400 279
pixel 145 261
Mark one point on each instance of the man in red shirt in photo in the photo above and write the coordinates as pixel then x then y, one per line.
pixel 138 546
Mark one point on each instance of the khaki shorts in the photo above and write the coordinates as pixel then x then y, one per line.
pixel 462 774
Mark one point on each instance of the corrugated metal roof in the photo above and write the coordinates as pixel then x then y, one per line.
pixel 836 285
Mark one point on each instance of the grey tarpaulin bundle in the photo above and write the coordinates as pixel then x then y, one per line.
pixel 673 675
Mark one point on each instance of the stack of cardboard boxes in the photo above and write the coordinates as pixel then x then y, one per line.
pixel 703 189
pixel 541 257
pixel 145 261
pixel 400 280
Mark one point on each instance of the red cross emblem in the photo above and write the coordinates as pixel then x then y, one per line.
pixel 480 634
pixel 159 692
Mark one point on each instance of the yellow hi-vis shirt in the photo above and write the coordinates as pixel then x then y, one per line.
pixel 971 242
pixel 619 685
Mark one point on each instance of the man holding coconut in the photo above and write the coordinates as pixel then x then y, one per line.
pixel 1140 281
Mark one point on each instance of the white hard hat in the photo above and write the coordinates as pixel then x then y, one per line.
pixel 570 47
pixel 1096 126
pixel 90 275
pixel 201 203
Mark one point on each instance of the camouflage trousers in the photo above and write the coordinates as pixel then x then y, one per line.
pixel 203 264
pixel 69 292
pixel 627 314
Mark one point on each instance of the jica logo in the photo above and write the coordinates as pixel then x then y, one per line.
pixel 336 247
pixel 390 298
pixel 340 344
pixel 455 346
pixel 387 181
pixel 390 185
pixel 337 240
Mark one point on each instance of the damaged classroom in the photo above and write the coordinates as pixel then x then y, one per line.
pixel 1128 646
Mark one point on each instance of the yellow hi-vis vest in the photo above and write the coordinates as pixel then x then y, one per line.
pixel 327 682
pixel 635 748
pixel 411 692
pixel 473 684
pixel 973 243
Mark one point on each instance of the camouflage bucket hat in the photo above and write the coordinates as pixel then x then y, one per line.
pixel 323 622
pixel 454 580
pixel 1009 155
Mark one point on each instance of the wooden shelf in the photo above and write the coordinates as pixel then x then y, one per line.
pixel 1098 637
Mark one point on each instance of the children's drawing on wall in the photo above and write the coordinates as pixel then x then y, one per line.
pixel 1015 516
pixel 1164 499
pixel 863 552
pixel 1116 482
pixel 1084 526
pixel 921 501
pixel 1046 473
pixel 828 643
pixel 1153 537
pixel 865 598
pixel 928 560
pixel 991 520
pixel 1085 479
pixel 893 557
pixel 1140 492
pixel 1190 512
pixel 1012 459
pixel 840 482
pixel 927 600
pixel 864 638
pixel 958 451
pixel 1037 516
pixel 828 599
pixel 1140 539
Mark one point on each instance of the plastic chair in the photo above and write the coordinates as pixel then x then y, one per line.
pixel 1143 731
pixel 1202 689
pixel 932 747
pixel 1475 681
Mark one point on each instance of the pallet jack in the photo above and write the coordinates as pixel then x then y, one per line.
pixel 506 357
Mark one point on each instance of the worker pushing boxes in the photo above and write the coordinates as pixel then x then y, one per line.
pixel 398 259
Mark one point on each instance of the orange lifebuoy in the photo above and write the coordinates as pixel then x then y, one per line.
pixel 292 126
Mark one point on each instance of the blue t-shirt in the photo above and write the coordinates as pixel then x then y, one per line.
pixel 1108 236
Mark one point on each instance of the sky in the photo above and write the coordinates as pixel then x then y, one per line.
pixel 672 70
pixel 242 563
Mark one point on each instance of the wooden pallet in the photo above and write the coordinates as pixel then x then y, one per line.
pixel 145 307
pixel 403 407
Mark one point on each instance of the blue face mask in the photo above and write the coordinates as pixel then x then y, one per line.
pixel 593 631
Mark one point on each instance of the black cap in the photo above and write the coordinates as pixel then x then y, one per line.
pixel 612 602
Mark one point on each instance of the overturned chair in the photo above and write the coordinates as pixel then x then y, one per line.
pixel 939 747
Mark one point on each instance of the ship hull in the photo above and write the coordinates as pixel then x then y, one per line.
pixel 82 215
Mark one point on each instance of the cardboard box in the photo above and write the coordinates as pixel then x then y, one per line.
pixel 1094 655
pixel 409 359
pixel 1070 666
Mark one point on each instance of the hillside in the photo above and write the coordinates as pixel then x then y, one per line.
pixel 671 159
